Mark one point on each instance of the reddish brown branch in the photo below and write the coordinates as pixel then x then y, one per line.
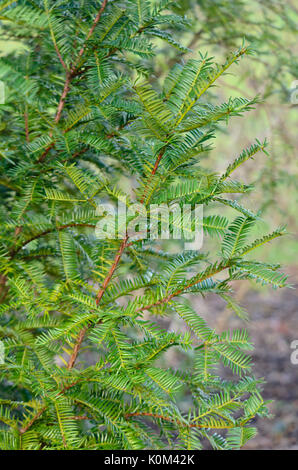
pixel 79 418
pixel 25 428
pixel 104 4
pixel 70 74
pixel 76 348
pixel 63 97
pixel 101 292
pixel 58 114
pixel 156 165
pixel 3 287
pixel 44 154
pixel 169 297
pixel 26 126
pixel 60 57
pixel 157 162
pixel 112 270
pixel 109 276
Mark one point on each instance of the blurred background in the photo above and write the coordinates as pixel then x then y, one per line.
pixel 217 27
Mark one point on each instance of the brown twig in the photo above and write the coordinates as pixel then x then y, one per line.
pixel 35 417
pixel 70 74
pixel 156 165
pixel 60 57
pixel 97 18
pixel 76 348
pixel 63 97
pixel 26 126
pixel 109 276
pixel 3 287
pixel 112 270
pixel 101 292
pixel 182 289
pixel 44 154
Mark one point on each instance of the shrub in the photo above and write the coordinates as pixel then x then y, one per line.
pixel 85 351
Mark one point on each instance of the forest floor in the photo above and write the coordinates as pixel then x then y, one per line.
pixel 273 326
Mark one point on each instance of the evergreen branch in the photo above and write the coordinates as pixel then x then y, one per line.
pixel 183 289
pixel 112 270
pixel 91 31
pixel 66 286
pixel 178 423
pixel 32 421
pixel 209 82
pixel 54 39
pixel 107 280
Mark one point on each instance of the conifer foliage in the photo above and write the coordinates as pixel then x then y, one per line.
pixel 80 318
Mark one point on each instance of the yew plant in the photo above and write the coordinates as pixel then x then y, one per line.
pixel 87 363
